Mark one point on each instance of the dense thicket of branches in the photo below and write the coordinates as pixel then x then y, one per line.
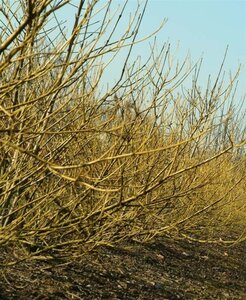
pixel 82 165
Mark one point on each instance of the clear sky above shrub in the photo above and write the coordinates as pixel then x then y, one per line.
pixel 202 27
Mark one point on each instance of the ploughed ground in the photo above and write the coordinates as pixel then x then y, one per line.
pixel 162 269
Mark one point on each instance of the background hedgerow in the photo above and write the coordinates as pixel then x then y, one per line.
pixel 82 165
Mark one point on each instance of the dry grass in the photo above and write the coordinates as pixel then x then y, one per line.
pixel 80 167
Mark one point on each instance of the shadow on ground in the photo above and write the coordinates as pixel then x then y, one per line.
pixel 163 269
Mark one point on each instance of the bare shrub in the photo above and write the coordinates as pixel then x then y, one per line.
pixel 80 167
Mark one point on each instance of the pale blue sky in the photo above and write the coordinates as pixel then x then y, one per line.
pixel 203 27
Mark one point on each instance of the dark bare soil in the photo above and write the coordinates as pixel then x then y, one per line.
pixel 163 269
